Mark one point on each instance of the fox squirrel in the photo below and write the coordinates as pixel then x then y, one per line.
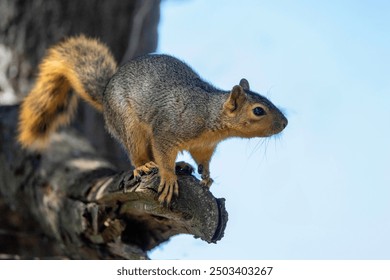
pixel 155 106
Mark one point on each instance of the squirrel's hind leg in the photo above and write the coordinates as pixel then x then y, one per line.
pixel 165 157
pixel 139 149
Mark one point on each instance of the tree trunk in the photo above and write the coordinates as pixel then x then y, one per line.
pixel 28 28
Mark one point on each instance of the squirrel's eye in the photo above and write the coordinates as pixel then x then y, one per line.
pixel 258 111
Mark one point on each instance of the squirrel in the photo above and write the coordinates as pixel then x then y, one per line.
pixel 155 105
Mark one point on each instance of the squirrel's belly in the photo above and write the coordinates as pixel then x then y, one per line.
pixel 204 140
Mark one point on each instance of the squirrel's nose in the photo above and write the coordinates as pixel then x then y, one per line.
pixel 280 124
pixel 285 123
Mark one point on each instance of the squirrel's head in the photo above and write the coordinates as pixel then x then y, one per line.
pixel 252 115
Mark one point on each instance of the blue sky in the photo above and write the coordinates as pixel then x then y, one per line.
pixel 322 189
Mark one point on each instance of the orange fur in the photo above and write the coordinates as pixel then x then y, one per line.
pixel 50 104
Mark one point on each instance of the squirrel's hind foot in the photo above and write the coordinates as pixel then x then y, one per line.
pixel 144 169
pixel 167 189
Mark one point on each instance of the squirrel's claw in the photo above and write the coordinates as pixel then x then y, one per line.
pixel 144 169
pixel 207 182
pixel 167 189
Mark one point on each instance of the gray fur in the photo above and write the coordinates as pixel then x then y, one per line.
pixel 180 96
pixel 170 83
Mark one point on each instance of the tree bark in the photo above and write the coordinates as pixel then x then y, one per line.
pixel 86 209
pixel 29 28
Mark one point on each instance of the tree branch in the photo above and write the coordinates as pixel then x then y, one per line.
pixel 91 211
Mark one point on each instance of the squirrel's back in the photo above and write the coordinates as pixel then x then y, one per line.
pixel 78 63
pixel 165 89
pixel 161 75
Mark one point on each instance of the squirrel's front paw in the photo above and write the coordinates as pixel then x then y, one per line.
pixel 167 188
pixel 204 171
pixel 207 182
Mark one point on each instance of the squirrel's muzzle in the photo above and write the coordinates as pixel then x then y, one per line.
pixel 279 124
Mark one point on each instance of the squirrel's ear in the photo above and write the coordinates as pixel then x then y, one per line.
pixel 235 99
pixel 244 84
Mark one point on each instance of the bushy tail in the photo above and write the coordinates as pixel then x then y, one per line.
pixel 82 64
